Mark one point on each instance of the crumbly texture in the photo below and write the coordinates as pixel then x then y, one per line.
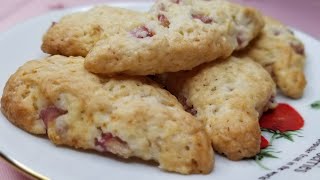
pixel 228 97
pixel 127 116
pixel 172 36
pixel 282 54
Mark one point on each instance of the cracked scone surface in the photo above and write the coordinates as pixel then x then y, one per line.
pixel 282 54
pixel 126 116
pixel 172 36
pixel 228 97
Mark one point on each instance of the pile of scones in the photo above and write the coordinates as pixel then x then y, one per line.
pixel 174 85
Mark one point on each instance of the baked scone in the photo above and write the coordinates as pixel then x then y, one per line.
pixel 282 54
pixel 228 97
pixel 75 34
pixel 173 36
pixel 127 116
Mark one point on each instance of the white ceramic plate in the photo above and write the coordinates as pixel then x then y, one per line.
pixel 22 43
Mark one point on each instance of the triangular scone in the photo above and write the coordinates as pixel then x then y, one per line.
pixel 245 22
pixel 75 34
pixel 228 97
pixel 126 116
pixel 282 54
pixel 180 35
pixel 171 37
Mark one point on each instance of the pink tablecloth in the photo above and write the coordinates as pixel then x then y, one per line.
pixel 303 15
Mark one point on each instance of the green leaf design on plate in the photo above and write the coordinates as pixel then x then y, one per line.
pixel 316 105
pixel 265 153
pixel 288 135
pixel 269 151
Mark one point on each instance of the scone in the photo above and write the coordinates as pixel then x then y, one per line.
pixel 282 54
pixel 127 116
pixel 228 97
pixel 173 36
pixel 76 34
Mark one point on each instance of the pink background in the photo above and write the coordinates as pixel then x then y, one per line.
pixel 302 15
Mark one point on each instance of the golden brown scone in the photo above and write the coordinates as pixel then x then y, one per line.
pixel 282 54
pixel 76 34
pixel 179 35
pixel 228 97
pixel 126 116
pixel 173 36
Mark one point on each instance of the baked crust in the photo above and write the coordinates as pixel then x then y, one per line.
pixel 228 97
pixel 127 116
pixel 282 54
pixel 169 38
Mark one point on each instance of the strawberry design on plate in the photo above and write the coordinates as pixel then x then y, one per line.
pixel 264 143
pixel 283 122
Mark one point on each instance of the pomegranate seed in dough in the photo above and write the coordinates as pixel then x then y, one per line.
pixel 163 20
pixel 176 1
pixel 187 107
pixel 142 32
pixel 298 48
pixel 105 139
pixel 204 19
pixel 240 39
pixel 51 113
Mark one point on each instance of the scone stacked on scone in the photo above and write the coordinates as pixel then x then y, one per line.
pixel 173 36
pixel 228 97
pixel 127 116
pixel 282 54
pixel 245 22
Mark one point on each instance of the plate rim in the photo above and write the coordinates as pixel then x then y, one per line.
pixel 28 172
pixel 12 161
